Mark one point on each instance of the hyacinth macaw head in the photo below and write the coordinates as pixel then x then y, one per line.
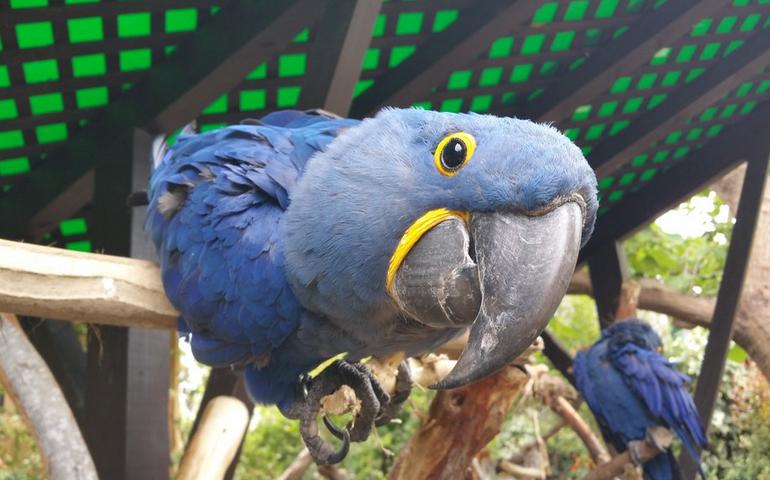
pixel 634 331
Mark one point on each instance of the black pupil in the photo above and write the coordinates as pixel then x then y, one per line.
pixel 453 155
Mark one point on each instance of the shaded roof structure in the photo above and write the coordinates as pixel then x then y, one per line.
pixel 640 86
pixel 663 96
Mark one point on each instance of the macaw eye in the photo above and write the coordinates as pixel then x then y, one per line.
pixel 453 152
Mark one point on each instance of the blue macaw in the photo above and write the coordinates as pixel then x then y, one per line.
pixel 630 387
pixel 287 241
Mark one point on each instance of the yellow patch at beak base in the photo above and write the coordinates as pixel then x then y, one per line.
pixel 413 234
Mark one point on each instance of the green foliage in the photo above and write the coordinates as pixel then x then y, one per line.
pixel 273 441
pixel 270 447
pixel 19 456
pixel 575 323
pixel 690 265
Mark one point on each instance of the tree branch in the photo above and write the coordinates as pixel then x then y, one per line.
pixel 26 378
pixel 297 469
pixel 88 287
pixel 565 410
pixel 657 297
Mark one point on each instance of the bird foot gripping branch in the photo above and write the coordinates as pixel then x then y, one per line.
pixel 285 242
pixel 374 406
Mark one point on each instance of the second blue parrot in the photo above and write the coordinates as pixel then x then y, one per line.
pixel 630 387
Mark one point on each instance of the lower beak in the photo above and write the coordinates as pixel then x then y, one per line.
pixel 523 265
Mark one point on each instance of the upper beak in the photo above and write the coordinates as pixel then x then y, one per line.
pixel 523 265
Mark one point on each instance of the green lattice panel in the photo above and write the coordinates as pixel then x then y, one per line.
pixel 685 141
pixel 400 29
pixel 273 85
pixel 60 65
pixel 671 67
pixel 71 233
pixel 519 67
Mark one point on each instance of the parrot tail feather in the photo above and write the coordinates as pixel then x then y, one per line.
pixel 662 467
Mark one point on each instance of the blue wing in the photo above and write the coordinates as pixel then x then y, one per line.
pixel 216 203
pixel 662 389
pixel 621 415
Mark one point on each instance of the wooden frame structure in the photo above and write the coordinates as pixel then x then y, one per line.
pixel 663 97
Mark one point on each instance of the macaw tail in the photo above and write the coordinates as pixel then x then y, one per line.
pixel 662 467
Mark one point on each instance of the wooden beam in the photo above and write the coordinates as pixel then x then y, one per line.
pixel 654 30
pixel 687 100
pixel 609 270
pixel 730 290
pixel 217 57
pixel 82 287
pixel 336 53
pixel 693 173
pixel 442 53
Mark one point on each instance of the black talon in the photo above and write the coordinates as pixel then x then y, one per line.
pixel 375 403
pixel 334 429
pixel 321 450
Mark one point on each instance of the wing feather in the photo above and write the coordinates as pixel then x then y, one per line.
pixel 663 390
pixel 220 249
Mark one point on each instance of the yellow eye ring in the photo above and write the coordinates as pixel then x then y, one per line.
pixel 453 152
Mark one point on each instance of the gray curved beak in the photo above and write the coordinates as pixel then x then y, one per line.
pixel 523 265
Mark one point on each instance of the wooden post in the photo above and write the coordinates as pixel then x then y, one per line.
pixel 609 271
pixel 128 370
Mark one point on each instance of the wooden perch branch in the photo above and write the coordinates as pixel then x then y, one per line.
pixel 646 451
pixel 82 287
pixel 26 378
pixel 460 423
